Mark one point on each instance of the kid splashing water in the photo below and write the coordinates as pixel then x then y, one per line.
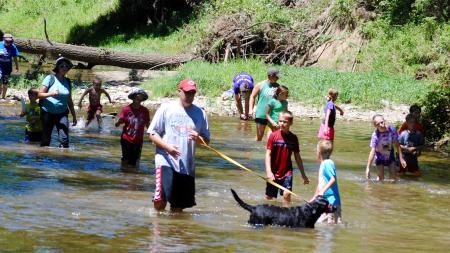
pixel 276 105
pixel 382 143
pixel 326 131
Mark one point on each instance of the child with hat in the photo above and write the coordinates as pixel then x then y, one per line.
pixel 135 118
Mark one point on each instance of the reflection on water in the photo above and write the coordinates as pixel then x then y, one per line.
pixel 54 200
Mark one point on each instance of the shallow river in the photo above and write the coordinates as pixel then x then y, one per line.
pixel 78 200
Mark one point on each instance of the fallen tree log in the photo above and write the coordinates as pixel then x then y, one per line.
pixel 100 56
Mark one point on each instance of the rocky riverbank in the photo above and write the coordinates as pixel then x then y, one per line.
pixel 225 105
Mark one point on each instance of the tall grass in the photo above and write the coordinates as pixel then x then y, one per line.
pixel 307 85
pixel 407 48
pixel 24 18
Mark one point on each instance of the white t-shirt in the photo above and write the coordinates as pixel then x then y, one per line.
pixel 172 122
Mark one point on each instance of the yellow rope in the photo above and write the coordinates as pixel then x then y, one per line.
pixel 203 143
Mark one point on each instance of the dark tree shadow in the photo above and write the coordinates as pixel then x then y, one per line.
pixel 134 18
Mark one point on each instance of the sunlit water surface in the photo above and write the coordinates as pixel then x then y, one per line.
pixel 78 200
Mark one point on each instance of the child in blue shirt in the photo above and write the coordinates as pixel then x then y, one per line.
pixel 8 53
pixel 411 143
pixel 327 185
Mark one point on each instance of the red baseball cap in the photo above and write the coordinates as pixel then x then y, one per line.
pixel 187 85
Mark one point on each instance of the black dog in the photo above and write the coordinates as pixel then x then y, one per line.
pixel 299 216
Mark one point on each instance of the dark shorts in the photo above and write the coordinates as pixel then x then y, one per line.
pixel 271 190
pixel 5 71
pixel 32 136
pixel 261 121
pixel 387 162
pixel 175 188
pixel 92 111
pixel 131 152
pixel 412 165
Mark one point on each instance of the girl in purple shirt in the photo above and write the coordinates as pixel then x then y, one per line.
pixel 384 139
pixel 326 131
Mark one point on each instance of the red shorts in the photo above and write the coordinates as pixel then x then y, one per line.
pixel 92 110
pixel 326 136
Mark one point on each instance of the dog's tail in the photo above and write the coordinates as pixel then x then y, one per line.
pixel 241 202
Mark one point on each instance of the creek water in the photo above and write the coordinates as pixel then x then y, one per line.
pixel 78 200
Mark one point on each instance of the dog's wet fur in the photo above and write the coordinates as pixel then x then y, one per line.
pixel 300 216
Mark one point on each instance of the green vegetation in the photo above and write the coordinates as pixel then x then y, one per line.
pixel 406 36
pixel 308 85
pixel 436 116
pixel 402 37
pixel 406 49
pixel 25 18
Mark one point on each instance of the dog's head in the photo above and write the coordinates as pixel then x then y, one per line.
pixel 321 205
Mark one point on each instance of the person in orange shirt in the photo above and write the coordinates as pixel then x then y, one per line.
pixel 416 111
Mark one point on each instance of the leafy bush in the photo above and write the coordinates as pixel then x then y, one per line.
pixel 342 11
pixel 436 114
pixel 400 12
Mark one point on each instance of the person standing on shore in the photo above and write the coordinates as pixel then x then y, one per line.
pixel 8 53
pixel 264 91
pixel 55 98
pixel 175 129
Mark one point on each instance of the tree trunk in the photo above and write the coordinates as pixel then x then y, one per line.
pixel 100 56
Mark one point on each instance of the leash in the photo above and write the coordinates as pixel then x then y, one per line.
pixel 203 143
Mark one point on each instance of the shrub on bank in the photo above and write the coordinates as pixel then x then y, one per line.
pixel 436 113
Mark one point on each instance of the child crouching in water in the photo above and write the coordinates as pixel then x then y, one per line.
pixel 327 185
pixel 411 143
pixel 382 143
pixel 280 146
pixel 32 111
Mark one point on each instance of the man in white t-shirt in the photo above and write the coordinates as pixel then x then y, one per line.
pixel 175 129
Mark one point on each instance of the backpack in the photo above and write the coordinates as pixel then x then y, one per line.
pixel 52 81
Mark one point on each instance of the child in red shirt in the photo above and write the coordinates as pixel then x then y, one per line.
pixel 280 146
pixel 135 118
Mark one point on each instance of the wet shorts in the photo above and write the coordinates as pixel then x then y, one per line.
pixel 386 162
pixel 131 152
pixel 92 110
pixel 412 165
pixel 32 136
pixel 326 136
pixel 271 190
pixel 261 121
pixel 173 187
pixel 4 74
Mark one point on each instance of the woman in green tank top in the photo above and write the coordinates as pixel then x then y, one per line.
pixel 264 90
